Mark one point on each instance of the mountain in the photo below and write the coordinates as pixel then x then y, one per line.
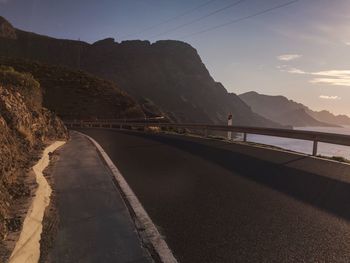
pixel 285 111
pixel 168 74
pixel 329 117
pixel 77 95
pixel 300 118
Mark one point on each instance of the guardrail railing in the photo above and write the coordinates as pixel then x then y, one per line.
pixel 315 137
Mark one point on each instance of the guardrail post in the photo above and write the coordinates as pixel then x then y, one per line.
pixel 244 136
pixel 314 148
pixel 229 123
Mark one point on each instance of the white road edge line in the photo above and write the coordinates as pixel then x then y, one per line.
pixel 150 230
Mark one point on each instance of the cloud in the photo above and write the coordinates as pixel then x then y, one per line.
pixel 332 77
pixel 288 57
pixel 286 68
pixel 295 71
pixel 325 97
pixel 334 73
pixel 330 81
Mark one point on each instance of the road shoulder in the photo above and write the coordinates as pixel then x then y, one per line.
pixel 91 219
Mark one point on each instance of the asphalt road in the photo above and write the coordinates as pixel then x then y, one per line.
pixel 220 202
pixel 94 223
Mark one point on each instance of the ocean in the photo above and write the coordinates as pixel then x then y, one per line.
pixel 302 146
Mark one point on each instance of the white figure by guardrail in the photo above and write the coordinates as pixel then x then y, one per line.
pixel 229 123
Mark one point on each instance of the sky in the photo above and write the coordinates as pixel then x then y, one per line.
pixel 301 50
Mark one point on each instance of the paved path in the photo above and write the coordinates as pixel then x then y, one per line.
pixel 95 225
pixel 218 202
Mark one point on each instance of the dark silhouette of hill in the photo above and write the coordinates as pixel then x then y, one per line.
pixel 76 94
pixel 288 112
pixel 169 74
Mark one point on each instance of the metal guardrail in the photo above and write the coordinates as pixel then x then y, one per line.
pixel 148 119
pixel 315 137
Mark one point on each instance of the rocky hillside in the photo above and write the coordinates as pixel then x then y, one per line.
pixel 76 94
pixel 6 29
pixel 25 127
pixel 283 110
pixel 169 74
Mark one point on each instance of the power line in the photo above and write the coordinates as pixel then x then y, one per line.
pixel 242 18
pixel 201 18
pixel 172 18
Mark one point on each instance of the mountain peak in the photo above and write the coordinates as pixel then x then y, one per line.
pixel 250 93
pixel 6 29
pixel 105 42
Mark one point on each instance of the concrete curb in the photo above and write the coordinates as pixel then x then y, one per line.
pixel 146 227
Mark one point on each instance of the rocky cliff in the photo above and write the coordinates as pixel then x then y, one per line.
pixel 169 74
pixel 25 128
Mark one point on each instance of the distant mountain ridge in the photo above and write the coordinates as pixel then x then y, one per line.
pixel 329 117
pixel 289 112
pixel 169 74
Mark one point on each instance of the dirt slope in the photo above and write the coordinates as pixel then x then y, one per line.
pixel 25 127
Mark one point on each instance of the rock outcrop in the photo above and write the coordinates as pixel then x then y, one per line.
pixel 25 127
pixel 6 29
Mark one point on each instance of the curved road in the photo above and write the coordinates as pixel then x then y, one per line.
pixel 221 202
